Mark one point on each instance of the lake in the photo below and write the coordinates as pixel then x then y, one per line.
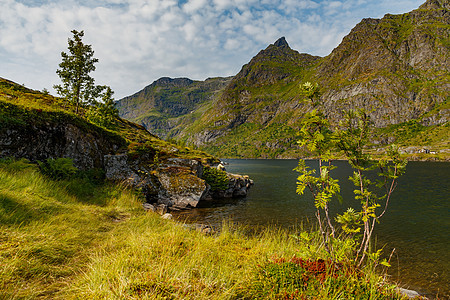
pixel 417 222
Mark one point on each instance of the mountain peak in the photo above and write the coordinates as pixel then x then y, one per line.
pixel 281 42
pixel 167 81
pixel 435 4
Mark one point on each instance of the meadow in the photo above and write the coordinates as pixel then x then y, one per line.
pixel 83 238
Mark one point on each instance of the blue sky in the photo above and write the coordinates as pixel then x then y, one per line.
pixel 139 41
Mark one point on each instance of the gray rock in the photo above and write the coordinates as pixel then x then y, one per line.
pixel 148 207
pixel 167 216
pixel 204 229
pixel 409 293
pixel 161 209
pixel 181 190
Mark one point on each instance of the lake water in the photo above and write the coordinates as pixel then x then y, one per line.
pixel 417 223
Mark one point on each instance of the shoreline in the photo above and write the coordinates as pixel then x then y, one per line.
pixel 431 159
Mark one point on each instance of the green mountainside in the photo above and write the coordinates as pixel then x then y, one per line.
pixel 162 105
pixel 396 68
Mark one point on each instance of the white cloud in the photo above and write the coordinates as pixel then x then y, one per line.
pixel 139 41
pixel 194 5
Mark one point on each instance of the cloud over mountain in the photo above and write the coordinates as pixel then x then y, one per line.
pixel 138 41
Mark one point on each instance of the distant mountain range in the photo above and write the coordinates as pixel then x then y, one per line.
pixel 397 68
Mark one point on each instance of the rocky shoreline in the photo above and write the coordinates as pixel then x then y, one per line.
pixel 174 184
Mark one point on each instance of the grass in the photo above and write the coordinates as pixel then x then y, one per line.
pixel 75 239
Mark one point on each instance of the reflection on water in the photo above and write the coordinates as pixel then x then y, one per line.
pixel 416 223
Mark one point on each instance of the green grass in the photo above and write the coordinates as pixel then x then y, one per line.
pixel 82 240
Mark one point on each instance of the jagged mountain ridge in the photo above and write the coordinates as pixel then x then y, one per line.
pixel 395 67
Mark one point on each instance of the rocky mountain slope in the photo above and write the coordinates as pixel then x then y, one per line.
pixel 395 67
pixel 161 106
pixel 38 126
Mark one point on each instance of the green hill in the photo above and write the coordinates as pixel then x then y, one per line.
pixel 165 105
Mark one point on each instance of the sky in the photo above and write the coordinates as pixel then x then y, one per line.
pixel 139 41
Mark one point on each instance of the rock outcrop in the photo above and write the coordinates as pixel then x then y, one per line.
pixel 238 186
pixel 52 135
pixel 176 183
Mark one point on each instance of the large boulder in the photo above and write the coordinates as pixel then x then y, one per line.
pixel 238 186
pixel 180 188
pixel 175 183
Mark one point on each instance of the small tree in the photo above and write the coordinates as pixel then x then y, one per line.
pixel 104 113
pixel 350 138
pixel 317 136
pixel 77 85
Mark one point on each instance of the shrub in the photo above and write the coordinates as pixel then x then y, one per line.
pixel 299 278
pixel 58 169
pixel 216 178
pixel 13 164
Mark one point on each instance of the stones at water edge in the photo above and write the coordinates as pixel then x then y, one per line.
pixel 167 216
pixel 238 186
pixel 410 293
pixel 175 183
pixel 204 229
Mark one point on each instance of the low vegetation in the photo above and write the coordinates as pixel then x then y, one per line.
pixel 81 238
pixel 217 179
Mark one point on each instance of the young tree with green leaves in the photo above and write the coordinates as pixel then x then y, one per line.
pixel 351 138
pixel 77 85
pixel 317 136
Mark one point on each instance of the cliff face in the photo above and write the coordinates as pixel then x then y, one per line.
pixel 39 135
pixel 395 67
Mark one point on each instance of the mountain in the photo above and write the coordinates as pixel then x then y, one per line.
pixel 396 68
pixel 163 105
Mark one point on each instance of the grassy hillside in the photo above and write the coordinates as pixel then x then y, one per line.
pixel 21 107
pixel 80 239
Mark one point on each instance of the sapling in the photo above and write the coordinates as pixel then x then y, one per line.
pixel 316 135
pixel 351 138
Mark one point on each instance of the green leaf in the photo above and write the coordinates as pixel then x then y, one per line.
pixel 385 263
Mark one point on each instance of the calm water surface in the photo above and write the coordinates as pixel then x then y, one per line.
pixel 417 222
